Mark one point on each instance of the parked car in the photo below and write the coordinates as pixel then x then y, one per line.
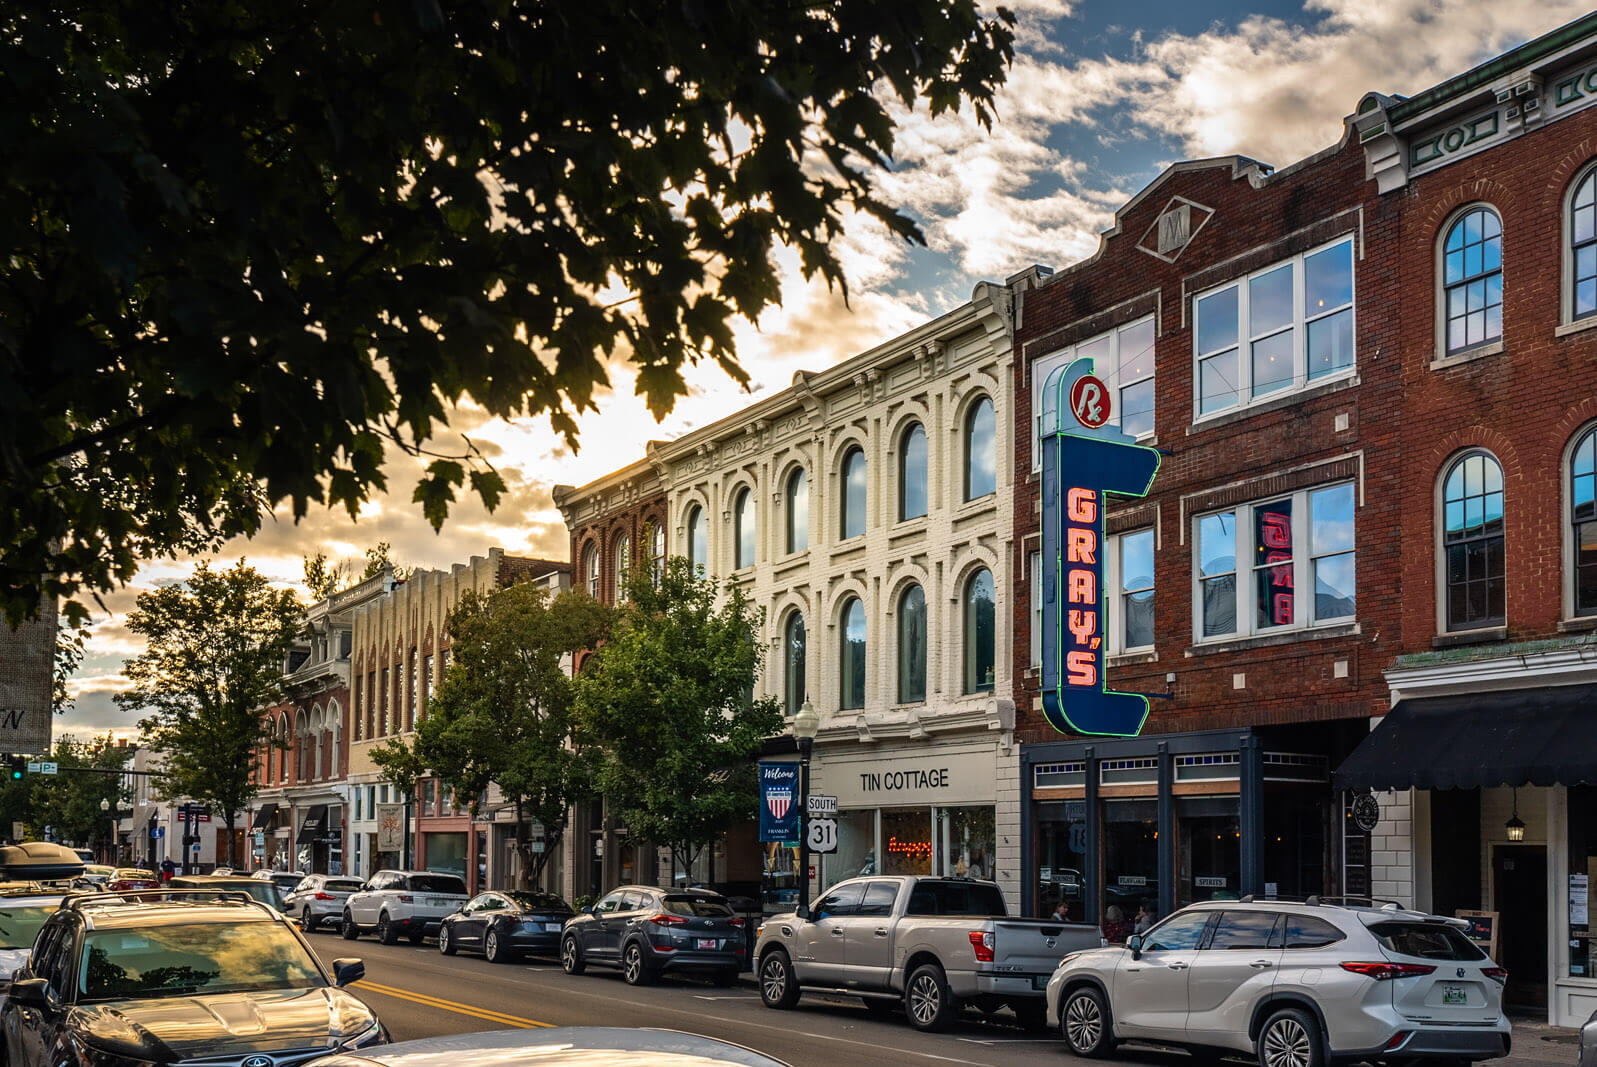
pixel 151 981
pixel 645 930
pixel 319 898
pixel 561 1046
pixel 223 870
pixel 24 907
pixel 132 878
pixel 286 881
pixel 503 924
pixel 1294 984
pixel 1588 1042
pixel 932 944
pixel 98 873
pixel 257 888
pixel 397 904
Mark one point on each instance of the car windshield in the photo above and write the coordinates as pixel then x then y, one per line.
pixel 956 898
pixel 133 872
pixel 19 926
pixel 701 907
pixel 342 885
pixel 539 902
pixel 1431 941
pixel 437 883
pixel 189 958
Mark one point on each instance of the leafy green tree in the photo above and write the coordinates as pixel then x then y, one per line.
pixel 69 650
pixel 503 713
pixel 666 704
pixel 247 247
pixel 69 801
pixel 215 648
pixel 324 578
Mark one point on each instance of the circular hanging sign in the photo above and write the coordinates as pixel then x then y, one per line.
pixel 1366 811
pixel 1089 401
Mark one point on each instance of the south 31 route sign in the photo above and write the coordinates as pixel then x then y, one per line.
pixel 1084 458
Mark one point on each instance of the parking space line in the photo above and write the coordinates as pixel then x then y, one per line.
pixel 450 1005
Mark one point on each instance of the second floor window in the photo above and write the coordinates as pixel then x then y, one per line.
pixel 1123 359
pixel 590 570
pixel 1472 280
pixel 698 539
pixel 912 646
pixel 852 656
pixel 798 511
pixel 743 530
pixel 795 641
pixel 1132 611
pixel 1583 510
pixel 980 621
pixel 981 451
pixel 912 473
pixel 1583 248
pixel 852 475
pixel 623 564
pixel 1472 543
pixel 1299 542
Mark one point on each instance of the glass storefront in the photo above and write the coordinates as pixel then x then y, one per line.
pixel 1294 853
pixel 1061 858
pixel 1582 873
pixel 1130 857
pixel 951 841
pixel 964 839
pixel 1209 849
pixel 856 847
pixel 907 841
pixel 446 853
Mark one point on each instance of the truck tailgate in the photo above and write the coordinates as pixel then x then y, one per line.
pixel 1035 946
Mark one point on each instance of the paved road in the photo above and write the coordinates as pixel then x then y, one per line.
pixel 421 993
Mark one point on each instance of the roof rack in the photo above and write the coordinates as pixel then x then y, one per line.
pixel 207 896
pixel 1357 901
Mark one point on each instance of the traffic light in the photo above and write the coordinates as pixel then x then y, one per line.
pixel 19 767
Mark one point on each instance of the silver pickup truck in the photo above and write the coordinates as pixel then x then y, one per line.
pixel 932 945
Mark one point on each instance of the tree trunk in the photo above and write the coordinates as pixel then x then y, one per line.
pixel 229 814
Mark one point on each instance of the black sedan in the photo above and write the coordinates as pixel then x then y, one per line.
pixel 645 930
pixel 503 925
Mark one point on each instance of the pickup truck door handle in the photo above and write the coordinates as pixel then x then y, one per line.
pixel 1259 965
pixel 881 931
pixel 1177 966
pixel 837 933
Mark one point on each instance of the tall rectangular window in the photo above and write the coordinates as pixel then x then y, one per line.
pixel 429 679
pixel 1296 543
pixel 415 691
pixel 1034 568
pixel 382 709
pixel 1280 328
pixel 1131 578
pixel 1124 359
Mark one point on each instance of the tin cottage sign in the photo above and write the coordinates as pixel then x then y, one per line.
pixel 1085 457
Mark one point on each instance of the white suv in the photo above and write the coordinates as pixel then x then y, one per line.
pixel 1298 985
pixel 402 903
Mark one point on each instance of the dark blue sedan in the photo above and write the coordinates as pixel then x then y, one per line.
pixel 503 924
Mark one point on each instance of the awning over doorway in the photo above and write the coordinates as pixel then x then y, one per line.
pixel 311 828
pixel 264 817
pixel 1544 736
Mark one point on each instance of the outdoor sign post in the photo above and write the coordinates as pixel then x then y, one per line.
pixel 1084 458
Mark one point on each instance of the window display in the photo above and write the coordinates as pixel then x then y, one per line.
pixel 1582 873
pixel 964 842
pixel 1061 857
pixel 1209 849
pixel 906 841
pixel 1131 856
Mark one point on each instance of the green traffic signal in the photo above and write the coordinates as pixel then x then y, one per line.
pixel 19 767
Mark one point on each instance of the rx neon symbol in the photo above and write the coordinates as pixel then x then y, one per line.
pixel 1089 401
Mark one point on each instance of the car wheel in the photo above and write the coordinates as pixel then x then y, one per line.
pixel 634 968
pixel 495 949
pixel 1032 1015
pixel 307 922
pixel 571 960
pixel 928 1001
pixel 1085 1025
pixel 386 932
pixel 778 987
pixel 725 978
pixel 350 930
pixel 446 945
pixel 1291 1038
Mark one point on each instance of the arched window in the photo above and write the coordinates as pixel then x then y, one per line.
pixel 853 495
pixel 1472 279
pixel 979 625
pixel 912 645
pixel 1472 542
pixel 912 473
pixel 698 539
pixel 1583 248
pixel 852 657
pixel 302 747
pixel 623 565
pixel 798 511
pixel 657 551
pixel 794 643
pixel 590 570
pixel 981 457
pixel 1583 511
pixel 743 529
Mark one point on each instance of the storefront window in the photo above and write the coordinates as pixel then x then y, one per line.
pixel 1209 843
pixel 856 848
pixel 1062 857
pixel 907 840
pixel 1295 818
pixel 1582 873
pixel 1131 859
pixel 964 842
pixel 446 853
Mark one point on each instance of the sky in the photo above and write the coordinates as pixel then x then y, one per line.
pixel 1103 95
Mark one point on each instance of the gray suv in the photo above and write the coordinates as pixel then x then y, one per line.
pixel 1298 985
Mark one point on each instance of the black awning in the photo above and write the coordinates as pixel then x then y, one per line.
pixel 1544 736
pixel 264 817
pixel 311 828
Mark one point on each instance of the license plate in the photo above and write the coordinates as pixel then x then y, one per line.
pixel 552 927
pixel 1455 994
pixel 437 902
pixel 1039 981
pixel 708 942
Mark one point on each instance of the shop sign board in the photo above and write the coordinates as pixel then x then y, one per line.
pixel 927 776
pixel 1482 929
pixel 1085 458
pixel 779 801
pixel 390 827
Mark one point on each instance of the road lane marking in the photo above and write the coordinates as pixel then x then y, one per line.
pixel 450 1005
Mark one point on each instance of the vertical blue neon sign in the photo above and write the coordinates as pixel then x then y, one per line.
pixel 1081 463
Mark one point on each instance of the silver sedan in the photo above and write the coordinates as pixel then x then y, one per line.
pixel 1588 1042
pixel 559 1046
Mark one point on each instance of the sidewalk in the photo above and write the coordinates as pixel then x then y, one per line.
pixel 1539 1043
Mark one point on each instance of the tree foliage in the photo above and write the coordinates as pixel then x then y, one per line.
pixel 666 706
pixel 323 578
pixel 502 715
pixel 213 659
pixel 69 650
pixel 250 245
pixel 69 801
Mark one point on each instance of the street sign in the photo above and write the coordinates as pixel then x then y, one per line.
pixel 821 804
pixel 33 766
pixel 537 844
pixel 822 836
pixel 48 768
pixel 159 831
pixel 18 831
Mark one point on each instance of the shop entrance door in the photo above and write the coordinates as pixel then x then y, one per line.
pixel 1519 895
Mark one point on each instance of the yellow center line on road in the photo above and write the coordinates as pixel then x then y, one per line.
pixel 450 1005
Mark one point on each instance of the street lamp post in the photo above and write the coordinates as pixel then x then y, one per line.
pixel 110 844
pixel 806 724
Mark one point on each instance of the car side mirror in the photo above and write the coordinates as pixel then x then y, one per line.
pixel 34 993
pixel 1134 943
pixel 348 971
pixel 803 912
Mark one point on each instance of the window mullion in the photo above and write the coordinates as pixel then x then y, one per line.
pixel 1244 346
pixel 1302 561
pixel 1244 570
pixel 1300 330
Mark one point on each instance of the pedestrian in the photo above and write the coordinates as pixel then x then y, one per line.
pixel 1144 919
pixel 1115 927
pixel 168 868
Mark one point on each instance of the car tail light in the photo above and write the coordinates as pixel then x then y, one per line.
pixel 982 942
pixel 736 922
pixel 1383 971
pixel 324 896
pixel 1496 974
pixel 1397 1039
pixel 406 898
pixel 669 920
